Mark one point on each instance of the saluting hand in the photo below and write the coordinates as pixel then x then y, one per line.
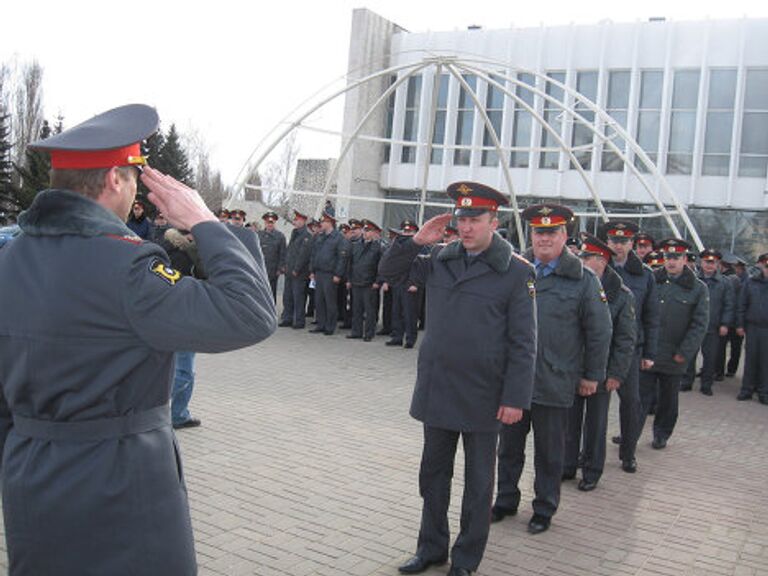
pixel 432 230
pixel 183 207
pixel 509 415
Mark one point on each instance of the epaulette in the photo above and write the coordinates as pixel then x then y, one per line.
pixel 126 238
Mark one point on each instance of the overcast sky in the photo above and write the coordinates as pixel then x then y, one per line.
pixel 230 71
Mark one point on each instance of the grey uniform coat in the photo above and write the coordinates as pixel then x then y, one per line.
pixel 574 331
pixel 273 247
pixel 684 318
pixel 364 262
pixel 330 253
pixel 639 278
pixel 298 253
pixel 722 304
pixel 621 304
pixel 92 476
pixel 479 348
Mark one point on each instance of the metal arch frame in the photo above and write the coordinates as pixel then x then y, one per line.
pixel 448 62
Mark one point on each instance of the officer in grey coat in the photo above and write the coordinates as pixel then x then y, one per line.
pixel 722 313
pixel 573 342
pixel 620 235
pixel 475 367
pixel 296 273
pixel 684 306
pixel 588 417
pixel 92 476
pixel 752 324
pixel 363 271
pixel 328 265
pixel 273 246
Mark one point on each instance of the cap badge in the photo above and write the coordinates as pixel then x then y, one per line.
pixel 466 202
pixel 545 210
pixel 619 232
pixel 464 189
pixel 546 220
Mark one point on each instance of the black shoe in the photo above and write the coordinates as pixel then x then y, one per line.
pixel 685 387
pixel 568 475
pixel 498 513
pixel 328 332
pixel 191 423
pixel 706 391
pixel 316 330
pixel 417 565
pixel 744 395
pixel 456 571
pixel 616 439
pixel 629 466
pixel 659 443
pixel 730 374
pixel 285 324
pixel 383 332
pixel 719 377
pixel 408 345
pixel 367 338
pixel 538 524
pixel 764 400
pixel 587 485
pixel 353 337
pixel 394 342
pixel 299 327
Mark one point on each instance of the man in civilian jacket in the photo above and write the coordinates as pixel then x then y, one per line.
pixel 475 367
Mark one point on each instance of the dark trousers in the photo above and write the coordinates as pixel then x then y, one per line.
pixel 310 292
pixel 294 300
pixel 756 362
pixel 587 428
pixel 273 286
pixel 629 411
pixel 733 362
pixel 667 386
pixel 342 299
pixel 327 313
pixel 549 424
pixel 404 314
pixel 364 311
pixel 435 477
pixel 386 312
pixel 708 360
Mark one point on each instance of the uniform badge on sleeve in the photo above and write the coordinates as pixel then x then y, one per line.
pixel 168 274
pixel 531 288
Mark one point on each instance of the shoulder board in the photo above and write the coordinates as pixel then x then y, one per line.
pixel 130 239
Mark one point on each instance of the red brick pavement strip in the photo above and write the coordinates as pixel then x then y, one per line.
pixel 307 464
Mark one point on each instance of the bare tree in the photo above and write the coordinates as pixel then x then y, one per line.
pixel 276 176
pixel 28 109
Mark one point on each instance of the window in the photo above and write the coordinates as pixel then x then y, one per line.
pixel 411 124
pixel 717 141
pixel 682 122
pixel 438 136
pixel 753 158
pixel 649 114
pixel 494 107
pixel 553 116
pixel 521 128
pixel 586 85
pixel 617 107
pixel 465 119
pixel 390 119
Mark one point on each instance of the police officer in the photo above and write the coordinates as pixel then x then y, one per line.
pixel 644 244
pixel 296 273
pixel 721 317
pixel 574 336
pixel 620 235
pixel 328 264
pixel 752 324
pixel 588 417
pixel 405 297
pixel 684 305
pixel 735 271
pixel 475 367
pixel 273 246
pixel 363 270
pixel 92 481
pixel 237 218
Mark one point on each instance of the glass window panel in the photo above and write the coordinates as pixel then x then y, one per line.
pixel 490 157
pixel 722 88
pixel 414 92
pixel 442 94
pixel 390 118
pixel 650 88
pixel 618 89
pixel 679 163
pixel 525 94
pixel 465 100
pixel 716 165
pixel 553 90
pixel 408 155
pixel 621 118
pixel 756 93
pixel 521 137
pixel 719 128
pixel 464 124
pixel 753 166
pixel 648 130
pixel 438 137
pixel 682 130
pixel 686 89
pixel 586 84
pixel 754 135
pixel 495 96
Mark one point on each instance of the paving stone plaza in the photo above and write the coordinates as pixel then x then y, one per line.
pixel 307 463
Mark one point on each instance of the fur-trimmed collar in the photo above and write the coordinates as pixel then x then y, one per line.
pixel 568 265
pixel 686 280
pixel 612 283
pixel 498 255
pixel 633 265
pixel 63 212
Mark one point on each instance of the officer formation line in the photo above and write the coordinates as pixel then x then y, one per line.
pixel 94 381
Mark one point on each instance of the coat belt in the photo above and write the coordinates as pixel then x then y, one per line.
pixel 94 430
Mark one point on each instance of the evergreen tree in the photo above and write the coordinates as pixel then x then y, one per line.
pixel 35 173
pixel 174 158
pixel 7 189
pixel 152 148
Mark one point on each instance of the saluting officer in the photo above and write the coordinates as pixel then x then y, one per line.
pixel 475 367
pixel 588 417
pixel 92 481
pixel 753 325
pixel 273 246
pixel 573 342
pixel 684 307
pixel 619 235
pixel 296 273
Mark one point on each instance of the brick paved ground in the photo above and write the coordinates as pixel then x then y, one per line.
pixel 307 464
